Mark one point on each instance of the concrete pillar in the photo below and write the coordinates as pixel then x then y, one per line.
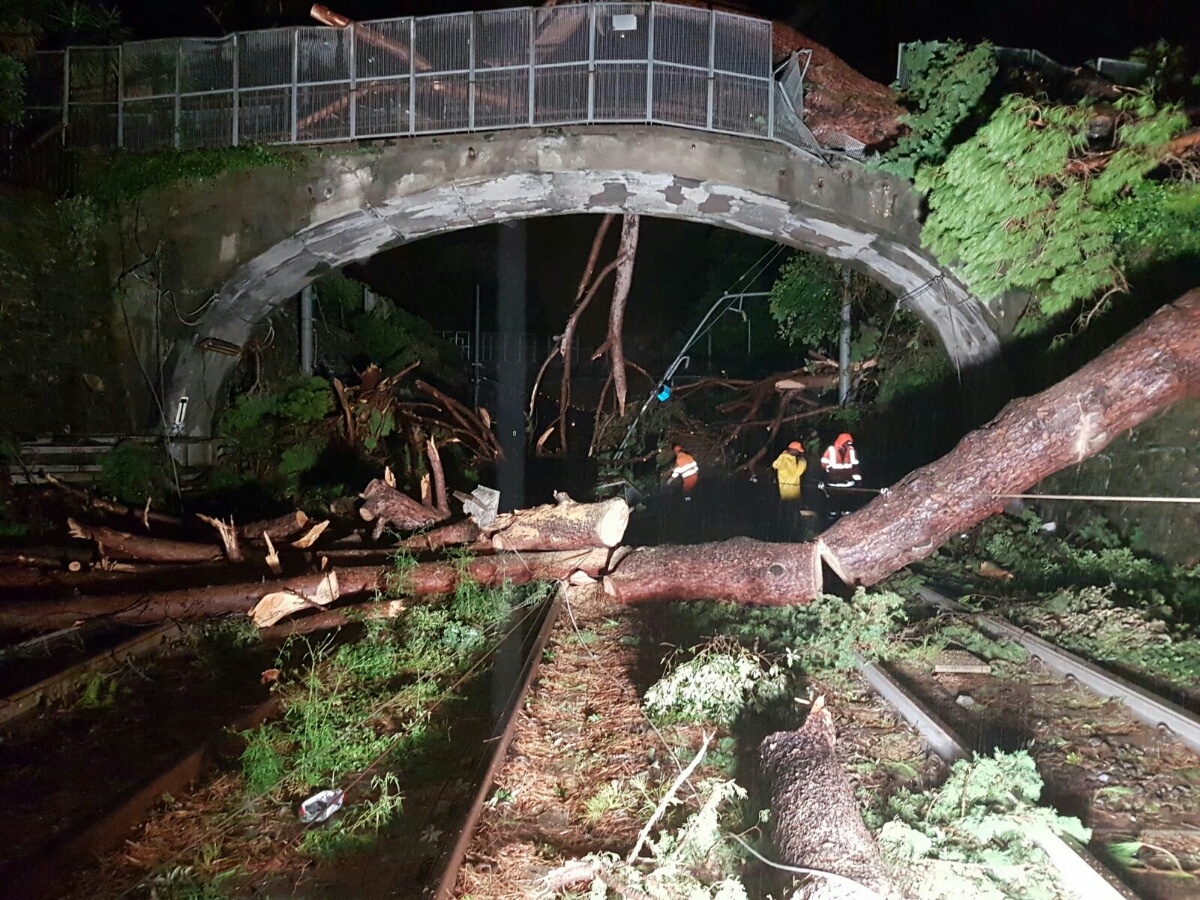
pixel 511 371
pixel 306 330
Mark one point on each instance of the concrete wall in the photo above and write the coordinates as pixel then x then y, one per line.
pixel 253 239
pixel 1159 458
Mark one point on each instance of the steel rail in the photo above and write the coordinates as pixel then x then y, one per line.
pixel 1084 875
pixel 63 683
pixel 41 872
pixel 458 853
pixel 1146 706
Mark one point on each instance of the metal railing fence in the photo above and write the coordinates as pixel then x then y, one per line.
pixel 510 68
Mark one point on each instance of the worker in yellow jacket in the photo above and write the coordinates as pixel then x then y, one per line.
pixel 789 467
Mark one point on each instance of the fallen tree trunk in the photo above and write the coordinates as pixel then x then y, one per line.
pixel 815 818
pixel 1147 371
pixel 278 528
pixel 1153 367
pixel 741 569
pixel 119 545
pixel 422 579
pixel 565 525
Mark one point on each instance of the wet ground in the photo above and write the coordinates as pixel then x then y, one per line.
pixel 721 508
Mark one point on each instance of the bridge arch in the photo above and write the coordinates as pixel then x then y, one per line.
pixel 254 239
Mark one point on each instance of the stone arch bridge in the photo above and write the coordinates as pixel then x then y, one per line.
pixel 250 240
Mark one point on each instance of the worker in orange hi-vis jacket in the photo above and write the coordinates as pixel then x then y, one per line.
pixel 686 470
pixel 839 462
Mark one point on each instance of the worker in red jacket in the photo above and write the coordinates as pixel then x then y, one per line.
pixel 839 462
pixel 686 470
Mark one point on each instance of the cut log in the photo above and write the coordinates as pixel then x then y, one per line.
pixel 465 532
pixel 334 618
pixel 384 505
pixel 1153 367
pixel 279 528
pixel 119 545
pixel 815 818
pixel 741 570
pixel 565 525
pixel 421 580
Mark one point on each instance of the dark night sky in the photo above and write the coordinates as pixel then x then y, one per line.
pixel 435 278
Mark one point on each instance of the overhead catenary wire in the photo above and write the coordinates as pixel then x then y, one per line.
pixel 1087 498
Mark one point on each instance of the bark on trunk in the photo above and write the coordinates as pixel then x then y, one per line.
pixel 279 528
pixel 741 569
pixel 565 525
pixel 465 532
pixel 420 580
pixel 1156 365
pixel 384 505
pixel 626 256
pixel 816 823
pixel 119 545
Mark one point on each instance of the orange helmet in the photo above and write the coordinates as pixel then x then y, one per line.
pixel 797 446
pixel 843 439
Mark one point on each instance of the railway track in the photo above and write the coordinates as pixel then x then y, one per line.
pixel 1112 753
pixel 1088 877
pixel 77 776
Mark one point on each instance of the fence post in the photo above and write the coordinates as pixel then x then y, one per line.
pixel 412 75
pixel 353 81
pixel 178 99
pixel 236 84
pixel 295 80
pixel 591 101
pixel 712 64
pixel 772 88
pixel 650 64
pixel 66 94
pixel 471 73
pixel 532 57
pixel 120 95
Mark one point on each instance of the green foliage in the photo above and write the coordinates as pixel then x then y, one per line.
pixel 717 685
pixel 823 634
pixel 1168 71
pixel 970 837
pixel 1022 547
pixel 132 472
pixel 921 365
pixel 97 691
pixel 127 176
pixel 1088 621
pixel 351 705
pixel 275 438
pixel 806 301
pixel 390 337
pixel 946 83
pixel 694 861
pixel 12 90
pixel 1157 222
pixel 1007 213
